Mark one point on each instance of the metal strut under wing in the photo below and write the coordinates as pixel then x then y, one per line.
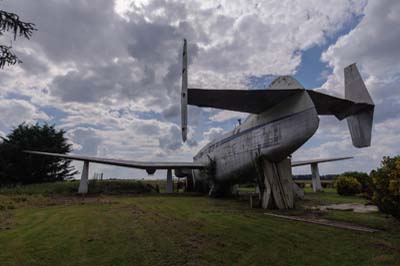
pixel 248 101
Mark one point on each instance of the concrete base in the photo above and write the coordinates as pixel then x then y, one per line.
pixel 83 184
pixel 316 180
pixel 169 187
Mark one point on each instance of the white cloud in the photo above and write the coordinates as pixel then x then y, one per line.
pixel 213 133
pixel 14 112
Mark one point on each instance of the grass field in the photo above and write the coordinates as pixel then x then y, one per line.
pixel 155 229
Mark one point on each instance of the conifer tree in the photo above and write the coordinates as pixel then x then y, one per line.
pixel 18 167
pixel 10 22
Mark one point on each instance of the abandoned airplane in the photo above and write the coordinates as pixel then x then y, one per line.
pixel 282 118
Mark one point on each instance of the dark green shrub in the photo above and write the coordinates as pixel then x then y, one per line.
pixel 386 186
pixel 365 181
pixel 120 187
pixel 347 185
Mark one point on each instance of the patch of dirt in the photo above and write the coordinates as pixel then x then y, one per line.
pixel 196 224
pixel 354 207
pixel 386 246
pixel 136 210
pixel 43 202
pixel 194 242
pixel 5 219
pixel 325 222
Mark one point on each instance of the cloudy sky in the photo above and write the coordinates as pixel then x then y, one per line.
pixel 109 72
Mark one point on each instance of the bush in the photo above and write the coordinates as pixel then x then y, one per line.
pixel 365 181
pixel 347 185
pixel 386 186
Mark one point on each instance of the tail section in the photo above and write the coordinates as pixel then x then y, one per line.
pixel 360 124
pixel 184 92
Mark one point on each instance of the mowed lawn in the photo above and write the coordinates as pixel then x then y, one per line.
pixel 177 230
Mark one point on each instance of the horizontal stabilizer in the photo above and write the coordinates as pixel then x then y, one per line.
pixel 248 101
pixel 301 163
pixel 340 108
pixel 124 163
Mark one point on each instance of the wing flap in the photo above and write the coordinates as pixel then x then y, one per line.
pixel 124 163
pixel 249 101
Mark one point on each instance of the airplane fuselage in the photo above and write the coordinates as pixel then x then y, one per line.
pixel 274 134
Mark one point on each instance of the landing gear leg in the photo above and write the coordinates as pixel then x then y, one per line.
pixel 278 184
pixel 189 183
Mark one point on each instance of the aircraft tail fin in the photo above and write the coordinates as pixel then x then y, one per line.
pixel 184 92
pixel 360 124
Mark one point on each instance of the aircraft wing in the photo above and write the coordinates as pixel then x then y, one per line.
pixel 300 163
pixel 249 101
pixel 125 163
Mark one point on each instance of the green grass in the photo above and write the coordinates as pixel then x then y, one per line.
pixel 329 196
pixel 95 187
pixel 180 230
pixel 54 188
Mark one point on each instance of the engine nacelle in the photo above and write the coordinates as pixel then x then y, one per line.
pixel 182 172
pixel 150 171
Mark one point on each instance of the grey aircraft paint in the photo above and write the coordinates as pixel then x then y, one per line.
pixel 274 134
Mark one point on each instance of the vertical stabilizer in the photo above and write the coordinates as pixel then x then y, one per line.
pixel 184 93
pixel 360 124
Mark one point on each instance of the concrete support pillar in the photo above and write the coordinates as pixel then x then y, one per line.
pixel 83 184
pixel 169 187
pixel 316 180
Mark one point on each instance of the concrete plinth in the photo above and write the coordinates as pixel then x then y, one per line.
pixel 316 180
pixel 169 187
pixel 83 184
